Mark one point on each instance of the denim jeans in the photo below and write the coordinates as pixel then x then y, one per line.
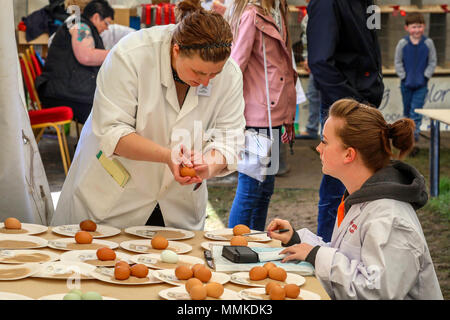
pixel 251 202
pixel 413 99
pixel 330 194
pixel 313 95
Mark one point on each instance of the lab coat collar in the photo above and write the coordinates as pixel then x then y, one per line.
pixel 166 69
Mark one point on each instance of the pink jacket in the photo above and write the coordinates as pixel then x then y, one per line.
pixel 247 51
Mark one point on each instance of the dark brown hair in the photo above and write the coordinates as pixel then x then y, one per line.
pixel 366 130
pixel 414 17
pixel 201 31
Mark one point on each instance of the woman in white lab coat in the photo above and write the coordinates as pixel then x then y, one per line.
pixel 378 249
pixel 161 93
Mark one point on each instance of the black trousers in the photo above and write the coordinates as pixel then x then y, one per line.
pixel 81 111
pixel 156 218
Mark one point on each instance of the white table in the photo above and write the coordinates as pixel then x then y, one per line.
pixel 436 117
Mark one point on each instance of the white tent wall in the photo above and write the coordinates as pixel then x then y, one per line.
pixel 24 189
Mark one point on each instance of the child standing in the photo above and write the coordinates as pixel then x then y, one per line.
pixel 415 61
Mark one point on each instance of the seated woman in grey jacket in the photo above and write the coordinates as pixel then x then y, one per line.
pixel 378 249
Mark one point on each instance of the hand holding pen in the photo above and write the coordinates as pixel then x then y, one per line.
pixel 279 224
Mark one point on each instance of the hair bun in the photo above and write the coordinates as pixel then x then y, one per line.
pixel 186 7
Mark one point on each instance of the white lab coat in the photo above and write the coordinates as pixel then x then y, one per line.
pixel 136 93
pixel 24 189
pixel 378 252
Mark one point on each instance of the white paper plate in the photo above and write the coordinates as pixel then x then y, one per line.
pixel 64 270
pixel 90 257
pixel 244 279
pixel 168 275
pixel 32 268
pixel 207 244
pixel 145 246
pixel 180 293
pixel 227 233
pixel 61 244
pixel 60 296
pixel 31 228
pixel 13 296
pixel 151 259
pixel 7 255
pixel 149 231
pixel 71 229
pixel 39 242
pixel 107 275
pixel 260 294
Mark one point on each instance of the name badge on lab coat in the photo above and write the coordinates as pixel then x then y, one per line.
pixel 204 91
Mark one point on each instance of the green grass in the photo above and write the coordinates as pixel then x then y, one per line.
pixel 441 204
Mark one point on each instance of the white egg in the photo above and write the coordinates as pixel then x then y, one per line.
pixel 169 256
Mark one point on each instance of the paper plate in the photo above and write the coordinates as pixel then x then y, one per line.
pixel 207 244
pixel 180 293
pixel 71 229
pixel 70 244
pixel 13 296
pixel 227 233
pixel 16 272
pixel 64 270
pixel 13 242
pixel 60 296
pixel 168 275
pixel 244 279
pixel 27 256
pixel 260 294
pixel 145 246
pixel 90 257
pixel 27 229
pixel 168 233
pixel 107 275
pixel 153 260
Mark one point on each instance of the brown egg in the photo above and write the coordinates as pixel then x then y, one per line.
pixel 214 289
pixel 105 254
pixel 196 266
pixel 269 265
pixel 160 243
pixel 187 172
pixel 12 223
pixel 191 283
pixel 258 273
pixel 183 272
pixel 238 241
pixel 122 264
pixel 270 285
pixel 88 225
pixel 198 292
pixel 203 274
pixel 292 290
pixel 83 237
pixel 277 293
pixel 277 274
pixel 240 229
pixel 122 273
pixel 139 270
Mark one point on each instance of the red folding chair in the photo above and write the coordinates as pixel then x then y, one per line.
pixel 40 118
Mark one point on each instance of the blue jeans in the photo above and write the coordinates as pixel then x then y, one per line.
pixel 251 202
pixel 330 194
pixel 413 99
pixel 313 95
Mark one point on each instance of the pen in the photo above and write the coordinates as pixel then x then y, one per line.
pixel 261 232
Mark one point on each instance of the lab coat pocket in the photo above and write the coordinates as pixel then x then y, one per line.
pixel 98 190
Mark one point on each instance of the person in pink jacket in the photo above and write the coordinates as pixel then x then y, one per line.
pixel 250 21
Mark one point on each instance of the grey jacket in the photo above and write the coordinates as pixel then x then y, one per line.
pixel 379 251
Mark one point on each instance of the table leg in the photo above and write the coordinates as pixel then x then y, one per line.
pixel 434 157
